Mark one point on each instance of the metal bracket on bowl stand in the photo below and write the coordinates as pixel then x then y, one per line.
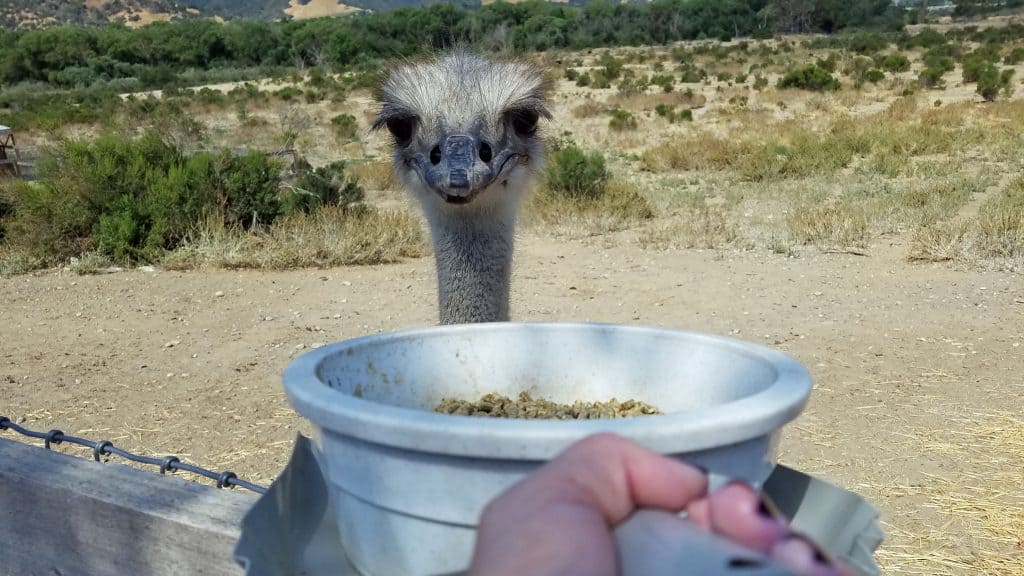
pixel 291 530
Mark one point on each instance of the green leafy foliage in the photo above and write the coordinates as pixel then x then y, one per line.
pixel 324 186
pixel 810 77
pixel 895 62
pixel 133 199
pixel 576 174
pixel 622 120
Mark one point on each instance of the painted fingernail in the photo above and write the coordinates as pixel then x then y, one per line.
pixel 820 556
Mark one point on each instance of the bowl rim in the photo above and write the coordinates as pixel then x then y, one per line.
pixel 725 424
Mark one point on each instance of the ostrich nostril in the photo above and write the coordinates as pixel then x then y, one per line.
pixel 435 155
pixel 485 152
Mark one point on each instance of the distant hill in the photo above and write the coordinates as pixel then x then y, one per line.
pixel 44 13
pixel 274 9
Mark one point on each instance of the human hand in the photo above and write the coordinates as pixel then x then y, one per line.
pixel 559 520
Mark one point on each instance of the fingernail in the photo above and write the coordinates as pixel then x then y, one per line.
pixel 820 556
pixel 702 469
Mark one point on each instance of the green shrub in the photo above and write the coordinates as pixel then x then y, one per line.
pixel 576 174
pixel 323 186
pixel 829 64
pixel 288 93
pixel 583 79
pixel 874 75
pixel 895 62
pixel 692 75
pixel 867 43
pixel 664 80
pixel 760 82
pixel 973 66
pixel 250 186
pixel 932 77
pixel 810 77
pixel 345 126
pixel 612 67
pixel 622 120
pixel 991 81
pixel 1016 56
pixel 938 62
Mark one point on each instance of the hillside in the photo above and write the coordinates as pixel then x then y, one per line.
pixel 43 13
pixel 274 9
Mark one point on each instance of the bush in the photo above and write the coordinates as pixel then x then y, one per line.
pixel 574 173
pixel 622 120
pixel 829 64
pixel 1016 56
pixel 932 77
pixel 991 81
pixel 895 62
pixel 345 127
pixel 973 66
pixel 874 75
pixel 324 186
pixel 669 113
pixel 867 43
pixel 811 77
pixel 693 75
pixel 664 80
pixel 250 188
pixel 612 67
pixel 288 93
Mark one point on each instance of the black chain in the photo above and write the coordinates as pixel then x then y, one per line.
pixel 106 447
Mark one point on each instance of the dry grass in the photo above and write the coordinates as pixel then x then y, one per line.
pixel 705 227
pixel 590 109
pixel 620 207
pixel 703 151
pixel 15 262
pixel 994 235
pixel 328 237
pixel 649 100
pixel 375 175
pixel 983 500
pixel 839 226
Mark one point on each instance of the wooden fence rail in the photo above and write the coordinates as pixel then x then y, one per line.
pixel 66 516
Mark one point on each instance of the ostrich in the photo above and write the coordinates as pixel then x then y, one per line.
pixel 465 143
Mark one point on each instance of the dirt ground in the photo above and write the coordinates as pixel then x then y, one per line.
pixel 905 358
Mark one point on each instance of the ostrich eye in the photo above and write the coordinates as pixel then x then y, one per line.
pixel 401 128
pixel 524 122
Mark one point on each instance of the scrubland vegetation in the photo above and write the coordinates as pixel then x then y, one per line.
pixel 781 143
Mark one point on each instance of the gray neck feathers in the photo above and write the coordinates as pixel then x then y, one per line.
pixel 474 266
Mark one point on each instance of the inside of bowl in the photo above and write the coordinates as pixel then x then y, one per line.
pixel 672 371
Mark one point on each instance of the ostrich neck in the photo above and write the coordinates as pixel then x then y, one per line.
pixel 474 266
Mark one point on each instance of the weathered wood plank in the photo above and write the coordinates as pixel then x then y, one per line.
pixel 62 515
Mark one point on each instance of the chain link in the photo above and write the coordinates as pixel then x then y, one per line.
pixel 106 447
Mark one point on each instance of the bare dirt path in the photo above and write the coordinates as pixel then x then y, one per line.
pixel 909 361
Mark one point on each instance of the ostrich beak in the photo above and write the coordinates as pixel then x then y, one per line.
pixel 461 166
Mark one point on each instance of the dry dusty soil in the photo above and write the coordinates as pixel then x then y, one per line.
pixel 915 366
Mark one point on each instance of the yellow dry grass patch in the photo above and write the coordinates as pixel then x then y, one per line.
pixel 318 9
pixel 985 501
pixel 327 237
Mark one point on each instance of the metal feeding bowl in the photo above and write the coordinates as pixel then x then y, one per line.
pixel 408 484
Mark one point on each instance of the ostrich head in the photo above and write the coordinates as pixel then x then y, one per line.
pixel 465 129
pixel 465 143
